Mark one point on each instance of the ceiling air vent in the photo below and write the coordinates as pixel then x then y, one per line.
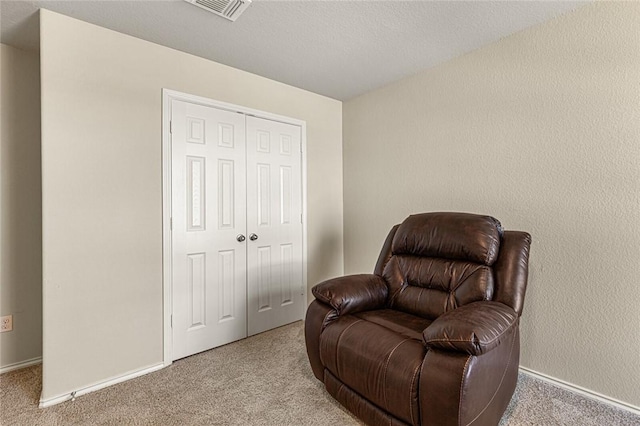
pixel 229 9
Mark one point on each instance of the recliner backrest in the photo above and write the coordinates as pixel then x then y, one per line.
pixel 435 262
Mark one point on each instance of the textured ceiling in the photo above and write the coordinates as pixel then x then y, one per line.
pixel 340 49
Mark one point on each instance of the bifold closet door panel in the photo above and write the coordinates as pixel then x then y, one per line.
pixel 274 224
pixel 208 200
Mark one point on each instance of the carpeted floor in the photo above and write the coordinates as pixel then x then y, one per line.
pixel 262 380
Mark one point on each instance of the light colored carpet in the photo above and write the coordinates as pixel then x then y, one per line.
pixel 262 380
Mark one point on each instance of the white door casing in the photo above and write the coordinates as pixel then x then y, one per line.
pixel 274 224
pixel 209 317
pixel 209 212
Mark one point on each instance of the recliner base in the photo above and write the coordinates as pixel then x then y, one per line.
pixel 359 406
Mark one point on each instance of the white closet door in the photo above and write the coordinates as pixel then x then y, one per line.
pixel 274 224
pixel 208 201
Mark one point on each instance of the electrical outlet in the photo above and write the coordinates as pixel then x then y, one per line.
pixel 6 323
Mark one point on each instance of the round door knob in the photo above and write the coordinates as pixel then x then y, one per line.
pixel 253 237
pixel 241 238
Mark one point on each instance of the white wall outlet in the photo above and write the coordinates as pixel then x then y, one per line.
pixel 6 323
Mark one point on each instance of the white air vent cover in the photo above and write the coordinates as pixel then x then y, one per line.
pixel 229 9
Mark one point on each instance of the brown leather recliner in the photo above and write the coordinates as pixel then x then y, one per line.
pixel 431 337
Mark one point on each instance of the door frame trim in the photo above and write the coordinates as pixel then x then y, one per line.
pixel 168 96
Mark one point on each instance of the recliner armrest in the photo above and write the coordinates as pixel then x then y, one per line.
pixel 474 329
pixel 353 293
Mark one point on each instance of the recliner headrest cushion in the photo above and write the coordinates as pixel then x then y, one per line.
pixel 460 236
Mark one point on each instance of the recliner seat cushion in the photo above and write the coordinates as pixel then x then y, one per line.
pixel 399 322
pixel 377 363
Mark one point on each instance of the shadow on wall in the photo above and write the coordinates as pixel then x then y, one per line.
pixel 21 213
pixel 322 260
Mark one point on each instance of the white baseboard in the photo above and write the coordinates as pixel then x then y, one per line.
pixel 582 391
pixel 83 391
pixel 21 364
pixel 97 386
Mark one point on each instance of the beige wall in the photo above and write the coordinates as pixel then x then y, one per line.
pixel 101 161
pixel 541 130
pixel 20 211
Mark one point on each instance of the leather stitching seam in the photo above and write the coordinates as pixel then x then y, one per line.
pixel 384 375
pixel 413 380
pixel 464 373
pixel 504 373
pixel 338 344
